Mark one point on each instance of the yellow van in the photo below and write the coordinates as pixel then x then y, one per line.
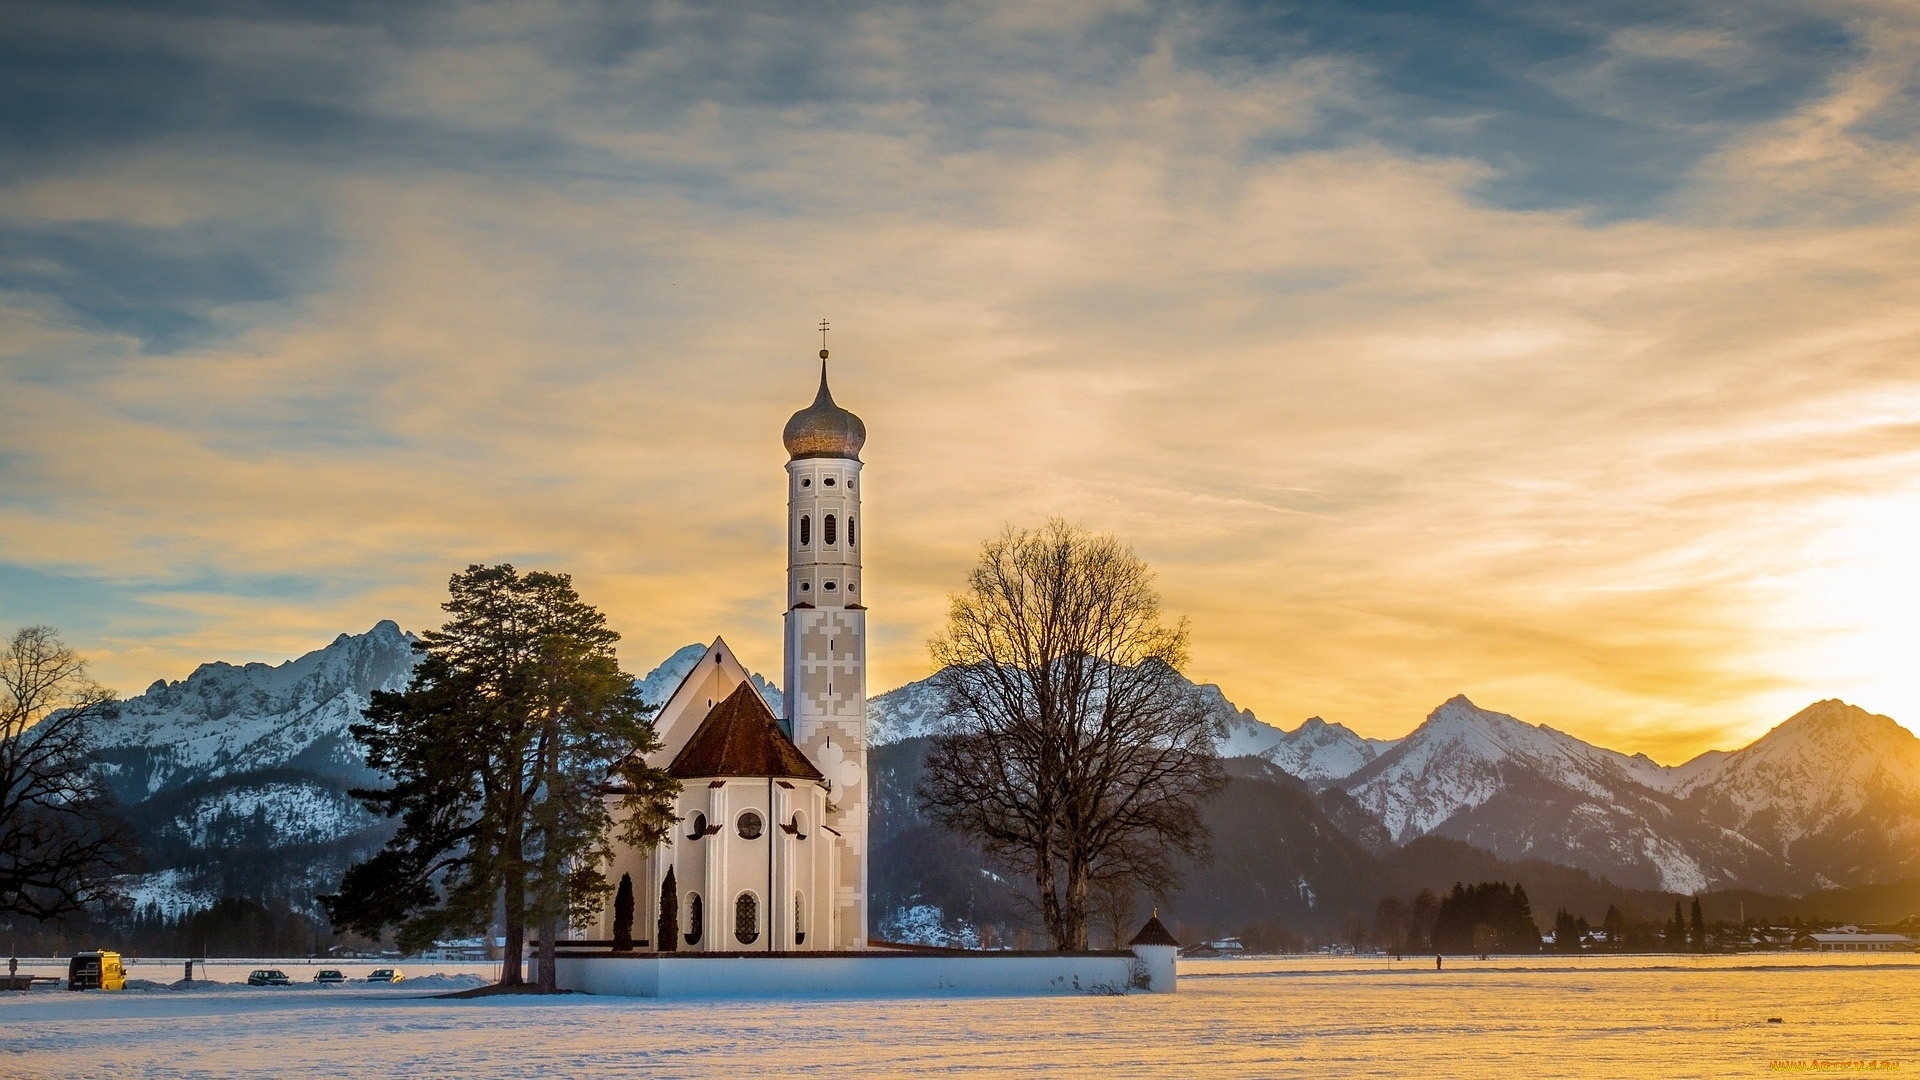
pixel 96 971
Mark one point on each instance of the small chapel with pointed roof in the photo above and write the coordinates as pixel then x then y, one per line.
pixel 770 853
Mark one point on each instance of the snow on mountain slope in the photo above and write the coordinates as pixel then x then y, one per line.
pixel 1454 761
pixel 917 708
pixel 1247 735
pixel 904 712
pixel 293 813
pixel 1822 764
pixel 1320 753
pixel 1526 791
pixel 1835 790
pixel 225 719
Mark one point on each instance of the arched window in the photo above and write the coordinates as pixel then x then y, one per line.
pixel 827 530
pixel 799 919
pixel 806 530
pixel 750 825
pixel 699 827
pixel 799 825
pixel 694 918
pixel 746 919
pixel 850 532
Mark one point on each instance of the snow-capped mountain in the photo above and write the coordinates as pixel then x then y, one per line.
pixel 225 720
pixel 1835 790
pixel 1524 791
pixel 904 713
pixel 237 776
pixel 1459 758
pixel 1317 751
pixel 1320 753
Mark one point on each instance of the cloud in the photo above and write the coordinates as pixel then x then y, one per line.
pixel 1420 356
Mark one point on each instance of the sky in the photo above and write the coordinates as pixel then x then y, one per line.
pixel 1564 355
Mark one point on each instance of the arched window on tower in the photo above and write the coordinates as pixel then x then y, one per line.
pixel 799 919
pixel 806 530
pixel 850 532
pixel 827 530
pixel 746 919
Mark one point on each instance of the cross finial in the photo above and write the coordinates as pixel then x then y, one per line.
pixel 823 339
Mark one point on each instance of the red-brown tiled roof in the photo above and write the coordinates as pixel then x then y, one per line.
pixel 740 737
pixel 1154 933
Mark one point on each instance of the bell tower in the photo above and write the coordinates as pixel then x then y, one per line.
pixel 825 663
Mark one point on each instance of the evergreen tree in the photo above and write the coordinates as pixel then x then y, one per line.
pixel 1491 916
pixel 1676 931
pixel 1615 926
pixel 667 935
pixel 1421 914
pixel 1697 934
pixel 517 725
pixel 1566 932
pixel 623 915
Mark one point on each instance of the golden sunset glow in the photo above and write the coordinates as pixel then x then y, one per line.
pixel 1390 424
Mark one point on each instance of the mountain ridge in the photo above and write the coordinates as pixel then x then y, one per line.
pixel 254 758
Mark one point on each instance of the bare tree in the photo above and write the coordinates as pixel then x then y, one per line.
pixel 60 845
pixel 1072 749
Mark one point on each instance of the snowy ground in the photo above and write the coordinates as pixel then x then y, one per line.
pixel 1591 1016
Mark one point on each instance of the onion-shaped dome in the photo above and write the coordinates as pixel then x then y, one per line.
pixel 824 429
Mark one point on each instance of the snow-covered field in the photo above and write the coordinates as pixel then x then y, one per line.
pixel 1591 1016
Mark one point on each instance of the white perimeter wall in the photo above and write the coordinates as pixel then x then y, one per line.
pixel 704 976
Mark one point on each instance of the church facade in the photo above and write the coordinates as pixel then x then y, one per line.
pixel 770 853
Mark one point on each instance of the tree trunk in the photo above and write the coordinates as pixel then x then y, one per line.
pixel 515 902
pixel 553 895
pixel 1044 883
pixel 549 932
pixel 1073 909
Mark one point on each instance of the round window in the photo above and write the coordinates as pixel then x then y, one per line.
pixel 749 825
pixel 699 827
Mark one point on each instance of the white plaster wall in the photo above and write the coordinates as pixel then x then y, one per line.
pixel 651 976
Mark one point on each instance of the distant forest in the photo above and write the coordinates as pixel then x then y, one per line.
pixel 231 927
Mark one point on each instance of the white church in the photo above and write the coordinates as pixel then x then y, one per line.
pixel 771 850
pixel 769 860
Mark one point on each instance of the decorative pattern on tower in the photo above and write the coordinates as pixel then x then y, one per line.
pixel 825 664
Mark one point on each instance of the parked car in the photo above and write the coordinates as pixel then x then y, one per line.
pixel 99 970
pixel 329 977
pixel 268 977
pixel 386 975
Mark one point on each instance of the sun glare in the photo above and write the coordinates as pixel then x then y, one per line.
pixel 1850 621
